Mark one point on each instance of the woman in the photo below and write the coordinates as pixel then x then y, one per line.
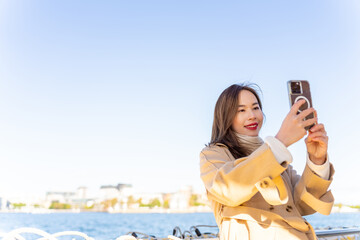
pixel 253 190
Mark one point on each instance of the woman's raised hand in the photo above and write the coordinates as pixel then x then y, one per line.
pixel 293 127
pixel 317 144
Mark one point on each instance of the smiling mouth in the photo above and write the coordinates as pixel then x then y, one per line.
pixel 252 126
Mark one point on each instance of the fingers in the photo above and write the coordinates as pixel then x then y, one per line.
pixel 318 127
pixel 317 134
pixel 321 140
pixel 309 122
pixel 305 113
pixel 295 108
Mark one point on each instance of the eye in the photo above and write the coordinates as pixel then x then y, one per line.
pixel 256 108
pixel 241 110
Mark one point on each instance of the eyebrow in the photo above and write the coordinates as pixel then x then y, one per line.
pixel 252 104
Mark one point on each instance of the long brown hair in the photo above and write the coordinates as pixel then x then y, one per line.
pixel 224 114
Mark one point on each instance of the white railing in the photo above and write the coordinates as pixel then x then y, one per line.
pixel 193 234
pixel 17 234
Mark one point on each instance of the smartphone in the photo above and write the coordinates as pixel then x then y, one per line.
pixel 300 89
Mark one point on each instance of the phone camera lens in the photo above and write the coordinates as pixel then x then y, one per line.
pixel 296 87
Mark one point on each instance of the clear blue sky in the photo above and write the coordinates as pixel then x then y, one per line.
pixel 102 92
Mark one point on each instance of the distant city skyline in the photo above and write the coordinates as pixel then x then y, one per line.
pixel 97 93
pixel 119 198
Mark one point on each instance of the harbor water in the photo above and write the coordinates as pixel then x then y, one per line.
pixel 103 226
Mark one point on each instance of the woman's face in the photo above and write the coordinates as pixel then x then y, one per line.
pixel 249 117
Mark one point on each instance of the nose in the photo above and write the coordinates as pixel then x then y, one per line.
pixel 251 115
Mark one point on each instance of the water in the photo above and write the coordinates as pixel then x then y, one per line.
pixel 103 226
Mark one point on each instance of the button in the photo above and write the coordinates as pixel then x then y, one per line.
pixel 264 184
pixel 289 208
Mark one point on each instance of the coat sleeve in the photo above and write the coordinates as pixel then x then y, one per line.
pixel 311 192
pixel 234 182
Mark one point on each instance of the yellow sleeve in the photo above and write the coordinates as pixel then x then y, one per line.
pixel 234 182
pixel 311 193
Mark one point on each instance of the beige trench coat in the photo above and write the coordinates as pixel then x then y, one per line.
pixel 255 197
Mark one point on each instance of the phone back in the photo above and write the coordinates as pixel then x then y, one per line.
pixel 300 89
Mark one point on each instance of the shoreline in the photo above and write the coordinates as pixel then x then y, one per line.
pixel 140 210
pixel 143 210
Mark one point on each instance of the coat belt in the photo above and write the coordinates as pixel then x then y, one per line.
pixel 265 218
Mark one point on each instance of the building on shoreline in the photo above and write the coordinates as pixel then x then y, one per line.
pixel 117 198
pixel 4 204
